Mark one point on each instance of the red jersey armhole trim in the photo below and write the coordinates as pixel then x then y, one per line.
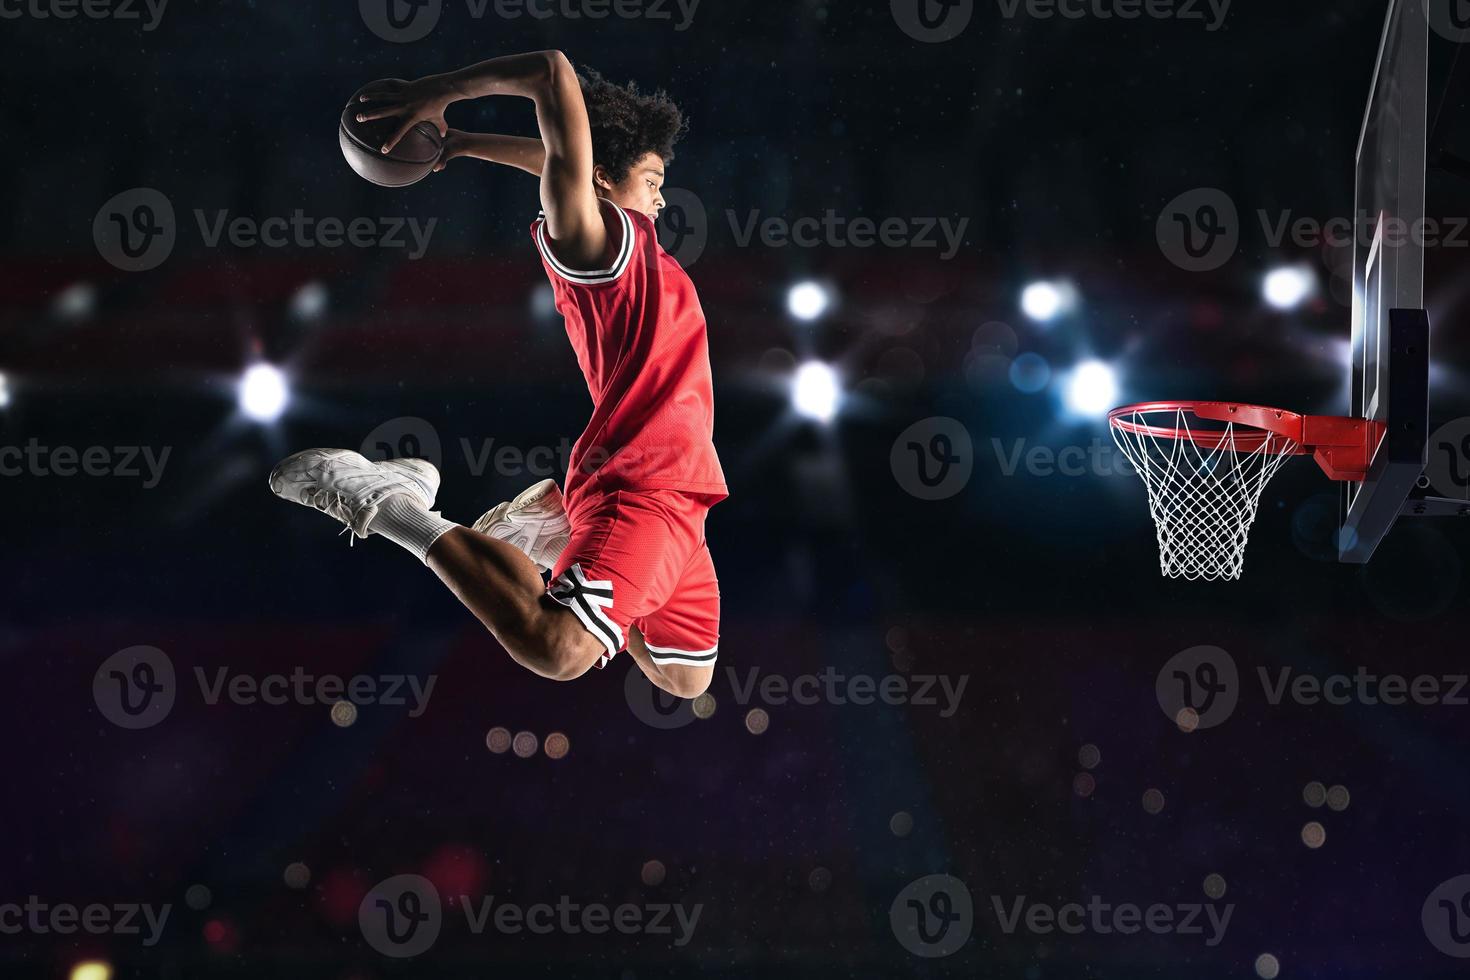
pixel 597 277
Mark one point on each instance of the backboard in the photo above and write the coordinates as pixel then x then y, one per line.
pixel 1390 330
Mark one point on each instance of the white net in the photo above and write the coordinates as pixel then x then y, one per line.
pixel 1204 486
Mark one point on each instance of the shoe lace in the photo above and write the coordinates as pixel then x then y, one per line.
pixel 323 500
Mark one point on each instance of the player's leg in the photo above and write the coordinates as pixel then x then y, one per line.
pixel 680 680
pixel 502 587
pixel 494 580
pixel 676 645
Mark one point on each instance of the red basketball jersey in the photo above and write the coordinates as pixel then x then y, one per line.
pixel 640 337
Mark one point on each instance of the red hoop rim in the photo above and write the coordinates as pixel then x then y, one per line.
pixel 1343 447
pixel 1274 429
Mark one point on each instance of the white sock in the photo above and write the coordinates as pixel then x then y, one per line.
pixel 404 521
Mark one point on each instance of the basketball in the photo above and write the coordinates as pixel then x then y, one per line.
pixel 412 159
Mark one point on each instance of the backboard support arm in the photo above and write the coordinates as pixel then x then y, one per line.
pixel 1403 452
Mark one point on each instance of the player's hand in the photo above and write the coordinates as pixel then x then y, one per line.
pixel 411 103
pixel 454 146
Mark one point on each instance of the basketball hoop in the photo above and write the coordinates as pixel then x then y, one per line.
pixel 1206 465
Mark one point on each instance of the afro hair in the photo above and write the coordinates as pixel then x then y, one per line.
pixel 626 124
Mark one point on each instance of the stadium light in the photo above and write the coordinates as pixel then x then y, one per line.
pixel 1043 302
pixel 310 301
pixel 1288 287
pixel 816 392
pixel 808 300
pixel 1092 389
pixel 543 301
pixel 76 302
pixel 4 391
pixel 263 393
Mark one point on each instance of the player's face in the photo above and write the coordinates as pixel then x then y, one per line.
pixel 640 190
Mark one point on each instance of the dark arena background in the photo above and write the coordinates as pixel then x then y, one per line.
pixel 960 726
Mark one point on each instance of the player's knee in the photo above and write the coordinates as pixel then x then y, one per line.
pixel 568 662
pixel 686 682
pixel 556 649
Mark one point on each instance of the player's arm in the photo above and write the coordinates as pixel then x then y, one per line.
pixel 574 220
pixel 511 151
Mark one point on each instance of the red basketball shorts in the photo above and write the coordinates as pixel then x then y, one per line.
pixel 639 558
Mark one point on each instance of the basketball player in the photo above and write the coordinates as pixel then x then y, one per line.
pixel 629 565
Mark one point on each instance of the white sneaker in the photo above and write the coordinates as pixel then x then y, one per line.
pixel 535 522
pixel 350 487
